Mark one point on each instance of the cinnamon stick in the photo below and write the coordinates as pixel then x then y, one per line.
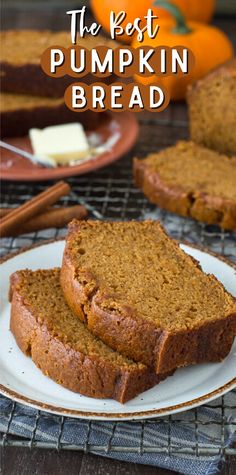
pixel 12 221
pixel 52 218
pixel 5 211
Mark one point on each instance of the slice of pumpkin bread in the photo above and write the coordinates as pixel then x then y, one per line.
pixel 143 296
pixel 212 109
pixel 190 180
pixel 63 347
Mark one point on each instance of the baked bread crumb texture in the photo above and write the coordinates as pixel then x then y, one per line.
pixel 143 296
pixel 126 310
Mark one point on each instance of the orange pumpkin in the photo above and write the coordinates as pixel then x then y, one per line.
pixel 192 10
pixel 133 8
pixel 195 10
pixel 210 46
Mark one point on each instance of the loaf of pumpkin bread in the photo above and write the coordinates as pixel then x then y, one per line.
pixel 20 61
pixel 191 180
pixel 212 109
pixel 21 112
pixel 63 347
pixel 143 296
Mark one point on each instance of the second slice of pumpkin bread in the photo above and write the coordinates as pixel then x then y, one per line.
pixel 143 296
pixel 63 348
pixel 191 180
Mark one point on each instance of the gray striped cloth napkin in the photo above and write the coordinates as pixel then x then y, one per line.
pixel 131 441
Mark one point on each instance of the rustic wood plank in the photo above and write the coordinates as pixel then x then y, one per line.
pixel 21 461
pixel 92 464
pixel 230 467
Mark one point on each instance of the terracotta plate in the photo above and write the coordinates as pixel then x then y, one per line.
pixel 187 388
pixel 117 133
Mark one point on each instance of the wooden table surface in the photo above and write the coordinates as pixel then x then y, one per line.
pixel 21 461
pixel 18 461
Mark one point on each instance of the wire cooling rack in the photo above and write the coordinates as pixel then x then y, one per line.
pixel 215 430
pixel 110 194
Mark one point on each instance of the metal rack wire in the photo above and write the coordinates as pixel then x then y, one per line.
pixel 109 194
pixel 169 446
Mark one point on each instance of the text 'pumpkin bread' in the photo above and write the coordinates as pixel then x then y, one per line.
pixel 190 180
pixel 63 347
pixel 143 296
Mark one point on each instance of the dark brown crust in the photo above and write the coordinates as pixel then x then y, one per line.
pixel 162 350
pixel 200 206
pixel 18 122
pixel 121 329
pixel 86 374
pixel 30 79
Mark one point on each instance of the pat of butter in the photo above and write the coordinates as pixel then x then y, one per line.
pixel 60 144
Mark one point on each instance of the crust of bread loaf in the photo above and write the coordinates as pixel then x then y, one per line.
pixel 17 122
pixel 200 206
pixel 24 75
pixel 211 105
pixel 224 70
pixel 30 79
pixel 86 374
pixel 137 338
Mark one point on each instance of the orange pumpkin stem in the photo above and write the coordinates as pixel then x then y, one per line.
pixel 181 25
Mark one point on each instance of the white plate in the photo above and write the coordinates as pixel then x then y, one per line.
pixel 187 388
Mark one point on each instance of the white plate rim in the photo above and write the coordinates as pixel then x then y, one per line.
pixel 208 397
